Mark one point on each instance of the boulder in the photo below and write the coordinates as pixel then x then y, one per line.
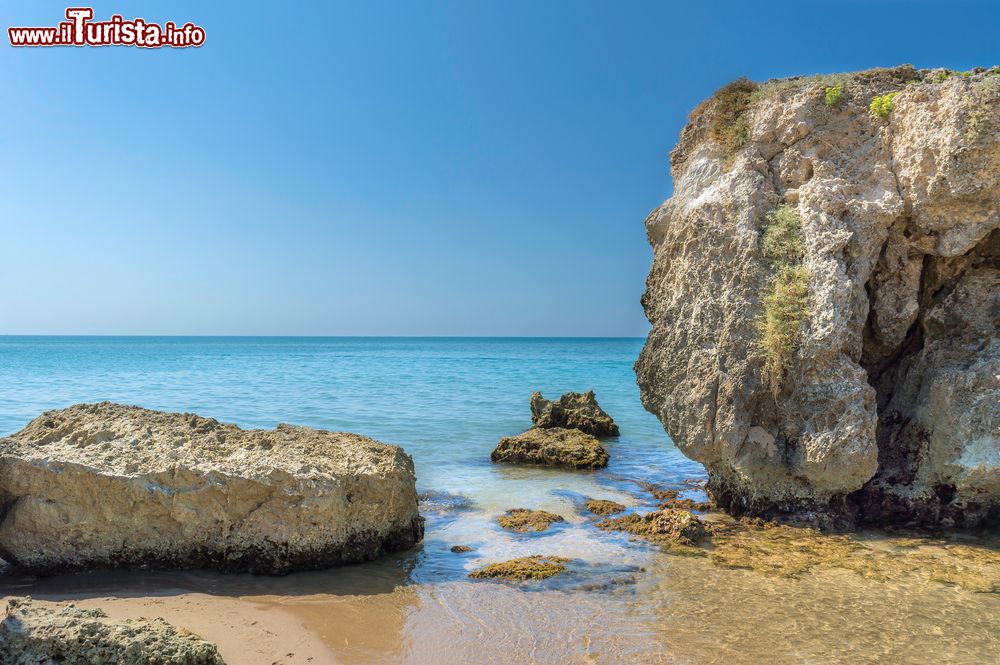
pixel 552 446
pixel 573 411
pixel 825 297
pixel 106 485
pixel 33 633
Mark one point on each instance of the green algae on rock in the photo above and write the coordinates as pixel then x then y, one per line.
pixel 604 507
pixel 535 567
pixel 789 551
pixel 670 497
pixel 525 520
pixel 553 446
pixel 675 530
pixel 573 411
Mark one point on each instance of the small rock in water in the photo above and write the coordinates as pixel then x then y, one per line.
pixel 535 567
pixel 604 507
pixel 573 411
pixel 552 447
pixel 526 521
pixel 460 549
pixel 668 527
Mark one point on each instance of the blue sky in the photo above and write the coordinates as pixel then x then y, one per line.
pixel 368 168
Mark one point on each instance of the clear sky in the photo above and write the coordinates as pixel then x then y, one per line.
pixel 376 168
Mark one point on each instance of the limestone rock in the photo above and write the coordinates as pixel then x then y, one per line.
pixel 888 409
pixel 106 485
pixel 552 446
pixel 573 411
pixel 33 633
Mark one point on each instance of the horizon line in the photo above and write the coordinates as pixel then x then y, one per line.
pixel 329 336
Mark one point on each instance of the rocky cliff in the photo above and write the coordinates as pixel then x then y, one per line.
pixel 825 297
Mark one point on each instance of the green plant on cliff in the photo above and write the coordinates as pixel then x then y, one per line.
pixel 781 239
pixel 786 302
pixel 881 105
pixel 833 94
pixel 728 124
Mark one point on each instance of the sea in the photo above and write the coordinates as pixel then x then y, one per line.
pixel 447 402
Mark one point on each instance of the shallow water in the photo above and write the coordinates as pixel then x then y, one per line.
pixel 447 402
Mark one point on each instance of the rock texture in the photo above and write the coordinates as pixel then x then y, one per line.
pixel 106 485
pixel 36 634
pixel 552 446
pixel 889 410
pixel 573 411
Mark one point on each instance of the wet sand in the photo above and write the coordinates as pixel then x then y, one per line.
pixel 421 608
pixel 681 610
pixel 621 601
pixel 244 631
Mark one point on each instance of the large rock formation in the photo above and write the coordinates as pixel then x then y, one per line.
pixel 105 485
pixel 572 411
pixel 32 633
pixel 825 297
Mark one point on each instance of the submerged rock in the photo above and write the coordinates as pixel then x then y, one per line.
pixel 525 520
pixel 534 567
pixel 667 527
pixel 604 507
pixel 106 485
pixel 825 297
pixel 573 411
pixel 32 633
pixel 553 446
pixel 670 497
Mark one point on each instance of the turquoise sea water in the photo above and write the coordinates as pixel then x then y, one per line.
pixel 445 400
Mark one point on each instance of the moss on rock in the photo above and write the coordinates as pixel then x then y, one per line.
pixel 604 507
pixel 524 520
pixel 535 567
pixel 670 528
pixel 553 446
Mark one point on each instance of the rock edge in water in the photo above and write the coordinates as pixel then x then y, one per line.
pixel 106 485
pixel 32 633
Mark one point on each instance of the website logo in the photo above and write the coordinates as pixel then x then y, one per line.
pixel 81 30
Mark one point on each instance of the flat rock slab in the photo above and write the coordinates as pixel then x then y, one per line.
pixel 552 446
pixel 573 411
pixel 32 633
pixel 106 485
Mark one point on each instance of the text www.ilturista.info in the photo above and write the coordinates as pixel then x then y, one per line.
pixel 80 30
